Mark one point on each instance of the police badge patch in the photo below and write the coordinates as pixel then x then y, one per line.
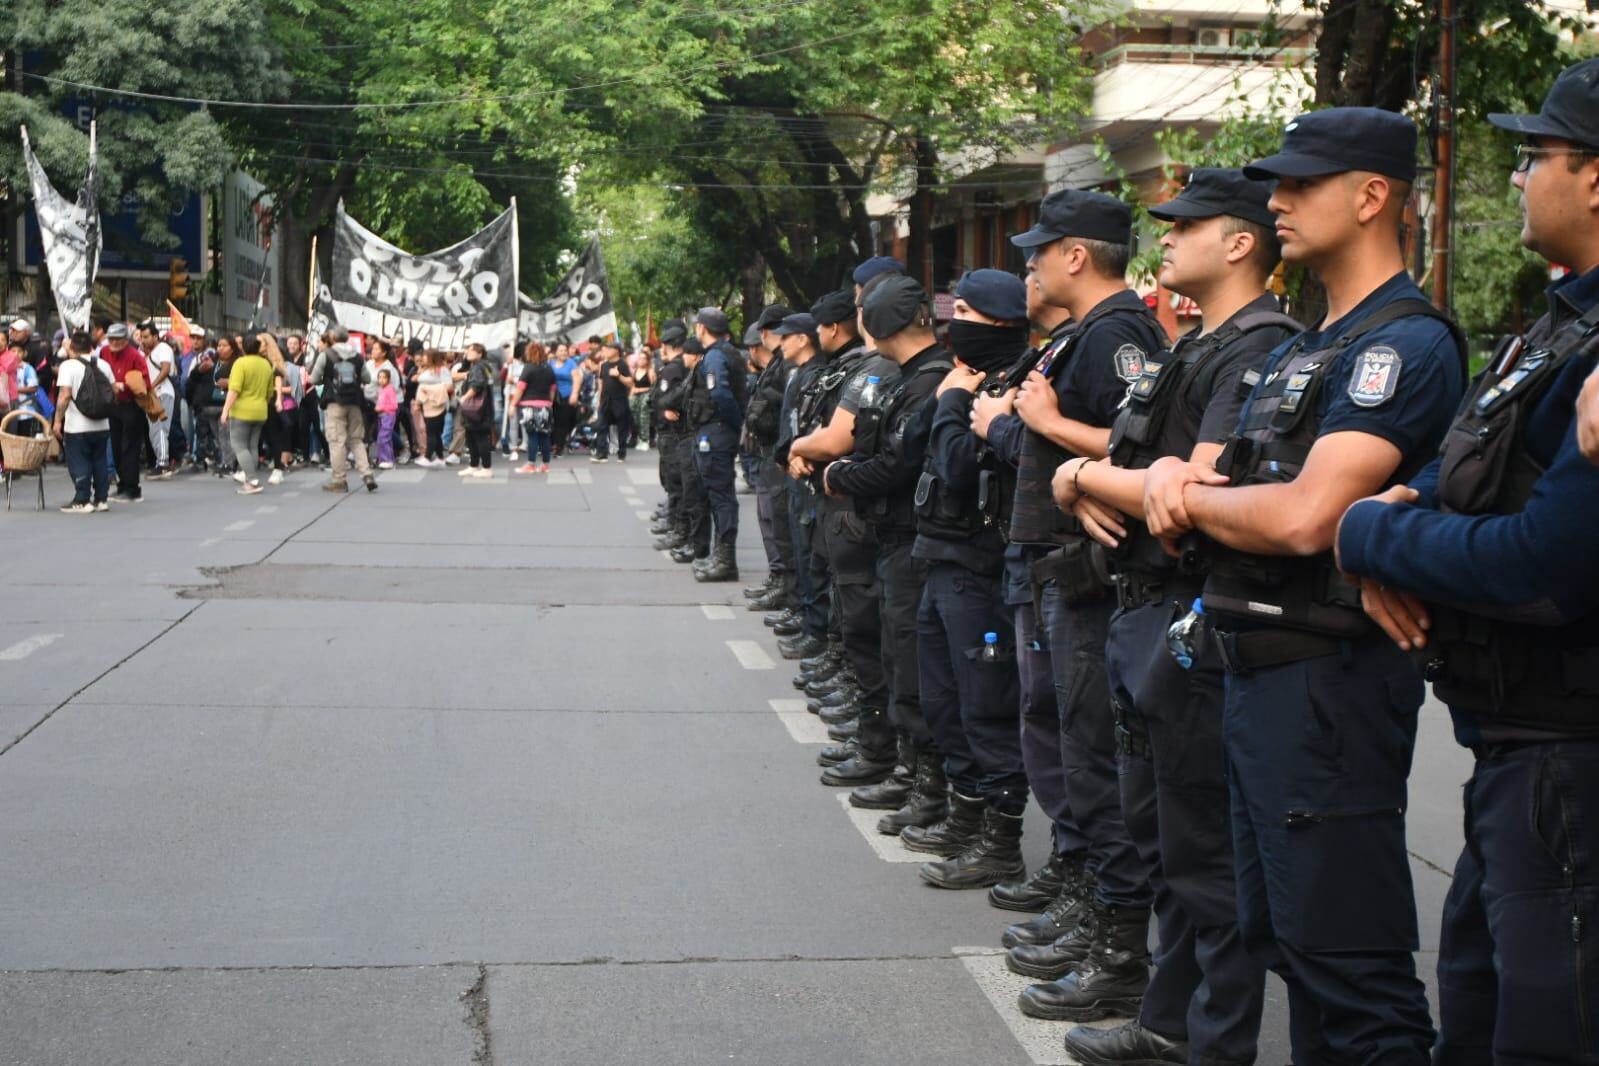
pixel 1129 363
pixel 710 381
pixel 1376 376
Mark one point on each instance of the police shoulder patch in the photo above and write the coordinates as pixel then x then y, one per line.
pixel 1376 376
pixel 710 381
pixel 1130 362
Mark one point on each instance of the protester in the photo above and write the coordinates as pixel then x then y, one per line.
pixel 476 412
pixel 388 407
pixel 163 365
pixel 434 386
pixel 615 389
pixel 288 388
pixel 343 376
pixel 536 398
pixel 84 439
pixel 566 365
pixel 510 424
pixel 197 393
pixel 642 366
pixel 244 413
pixel 128 422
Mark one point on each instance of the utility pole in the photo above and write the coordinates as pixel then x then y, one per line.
pixel 1443 221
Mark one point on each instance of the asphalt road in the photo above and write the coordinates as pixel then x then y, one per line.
pixel 460 772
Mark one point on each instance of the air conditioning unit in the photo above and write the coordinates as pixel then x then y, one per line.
pixel 1213 37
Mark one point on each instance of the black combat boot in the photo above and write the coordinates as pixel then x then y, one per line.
pixel 891 794
pixel 822 686
pixel 1033 893
pixel 781 616
pixel 768 601
pixel 995 856
pixel 928 803
pixel 723 566
pixel 823 667
pixel 790 625
pixel 862 768
pixel 1063 912
pixel 660 526
pixel 1110 981
pixel 833 700
pixel 1052 961
pixel 834 754
pixel 849 727
pixel 670 542
pixel 951 836
pixel 755 592
pixel 841 713
pixel 1125 1045
pixel 684 553
pixel 801 646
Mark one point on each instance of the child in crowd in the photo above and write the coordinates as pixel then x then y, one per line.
pixel 388 407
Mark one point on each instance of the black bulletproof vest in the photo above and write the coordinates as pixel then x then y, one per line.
pixel 669 395
pixel 1034 517
pixel 1280 426
pixel 880 429
pixel 825 388
pixel 943 514
pixel 1149 426
pixel 1516 674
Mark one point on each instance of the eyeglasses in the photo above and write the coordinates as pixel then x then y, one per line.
pixel 1526 153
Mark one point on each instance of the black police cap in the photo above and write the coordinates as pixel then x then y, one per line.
pixel 877 266
pixel 673 332
pixel 1571 110
pixel 803 322
pixel 752 337
pixel 1342 139
pixel 1216 191
pixel 1079 213
pixel 692 346
pixel 996 293
pixel 892 305
pixel 770 316
pixel 834 308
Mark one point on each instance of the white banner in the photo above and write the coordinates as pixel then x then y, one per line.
pixel 70 234
pixel 464 294
pixel 249 262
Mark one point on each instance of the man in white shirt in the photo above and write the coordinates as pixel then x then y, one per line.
pixel 163 367
pixel 84 441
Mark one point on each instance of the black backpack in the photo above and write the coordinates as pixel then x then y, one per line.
pixel 344 382
pixel 93 396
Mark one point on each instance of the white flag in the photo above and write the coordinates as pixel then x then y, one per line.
pixel 70 234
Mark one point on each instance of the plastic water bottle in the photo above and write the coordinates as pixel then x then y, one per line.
pixel 705 445
pixel 1183 638
pixel 991 647
pixel 869 393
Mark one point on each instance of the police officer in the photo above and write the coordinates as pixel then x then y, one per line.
pixel 968 667
pixel 1502 524
pixel 1204 1001
pixel 1320 709
pixel 718 391
pixel 1081 244
pixel 881 477
pixel 762 425
pixel 696 547
pixel 666 401
pixel 1060 887
pixel 800 350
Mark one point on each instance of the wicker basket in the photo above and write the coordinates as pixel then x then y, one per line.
pixel 23 455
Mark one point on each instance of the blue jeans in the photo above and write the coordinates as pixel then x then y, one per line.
pixel 87 462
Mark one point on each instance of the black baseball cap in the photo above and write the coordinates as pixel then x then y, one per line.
pixel 1341 139
pixel 752 337
pixel 1079 213
pixel 892 305
pixel 770 316
pixel 673 332
pixel 1571 110
pixel 692 346
pixel 713 319
pixel 1215 191
pixel 802 322
pixel 834 308
pixel 996 293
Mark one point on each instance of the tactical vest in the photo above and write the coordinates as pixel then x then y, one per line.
pixel 763 417
pixel 822 392
pixel 670 394
pixel 996 483
pixel 1516 674
pixel 1034 517
pixel 1280 425
pixel 1145 430
pixel 880 429
pixel 699 407
pixel 944 514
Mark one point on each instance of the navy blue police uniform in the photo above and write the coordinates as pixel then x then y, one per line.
pixel 762 428
pixel 1207 989
pixel 696 505
pixel 719 415
pixel 1090 374
pixel 969 682
pixel 1320 709
pixel 811 586
pixel 1503 529
pixel 668 396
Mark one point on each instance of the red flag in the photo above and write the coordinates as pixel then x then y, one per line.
pixel 181 327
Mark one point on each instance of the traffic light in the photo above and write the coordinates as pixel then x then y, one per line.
pixel 177 279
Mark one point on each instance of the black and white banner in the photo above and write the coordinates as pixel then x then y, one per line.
pixel 70 234
pixel 448 299
pixel 580 306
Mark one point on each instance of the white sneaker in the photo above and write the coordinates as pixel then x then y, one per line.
pixel 452 460
pixel 644 447
pixel 385 466
pixel 78 508
pixel 467 471
pixel 275 478
pixel 483 474
pixel 516 453
pixel 238 475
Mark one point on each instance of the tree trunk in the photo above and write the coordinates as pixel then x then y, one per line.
pixel 918 258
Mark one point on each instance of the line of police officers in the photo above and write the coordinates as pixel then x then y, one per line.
pixel 979 552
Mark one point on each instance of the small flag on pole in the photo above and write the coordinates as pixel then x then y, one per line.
pixel 181 326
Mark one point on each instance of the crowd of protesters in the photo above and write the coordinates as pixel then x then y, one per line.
pixel 252 407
